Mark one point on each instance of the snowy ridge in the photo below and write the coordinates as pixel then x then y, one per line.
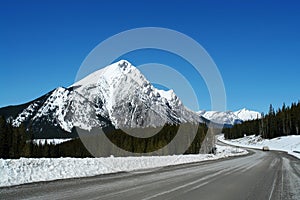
pixel 229 117
pixel 222 117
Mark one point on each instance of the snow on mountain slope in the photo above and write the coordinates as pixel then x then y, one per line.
pixel 61 108
pixel 246 115
pixel 118 94
pixel 128 99
pixel 25 114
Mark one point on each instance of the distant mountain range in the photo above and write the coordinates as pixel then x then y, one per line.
pixel 118 95
pixel 230 118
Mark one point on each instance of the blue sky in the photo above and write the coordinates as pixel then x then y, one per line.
pixel 255 44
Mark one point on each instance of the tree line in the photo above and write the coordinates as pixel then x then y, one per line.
pixel 16 142
pixel 282 122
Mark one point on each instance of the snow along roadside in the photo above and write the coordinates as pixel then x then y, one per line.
pixel 27 170
pixel 289 144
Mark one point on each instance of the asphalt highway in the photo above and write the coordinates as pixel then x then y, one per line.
pixel 258 176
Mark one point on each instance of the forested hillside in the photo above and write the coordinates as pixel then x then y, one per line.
pixel 16 142
pixel 282 122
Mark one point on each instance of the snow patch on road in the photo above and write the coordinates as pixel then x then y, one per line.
pixel 289 144
pixel 27 170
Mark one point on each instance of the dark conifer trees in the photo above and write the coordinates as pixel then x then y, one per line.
pixel 284 121
pixel 16 142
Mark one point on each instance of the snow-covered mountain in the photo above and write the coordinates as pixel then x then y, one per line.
pixel 229 117
pixel 121 93
pixel 117 95
pixel 247 115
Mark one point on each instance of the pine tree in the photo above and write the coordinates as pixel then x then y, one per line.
pixel 3 138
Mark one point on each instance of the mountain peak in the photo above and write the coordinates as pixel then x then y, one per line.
pixel 123 64
pixel 109 73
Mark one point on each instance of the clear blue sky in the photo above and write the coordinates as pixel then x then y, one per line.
pixel 255 44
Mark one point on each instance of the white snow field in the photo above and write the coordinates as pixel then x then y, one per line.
pixel 50 141
pixel 27 170
pixel 289 144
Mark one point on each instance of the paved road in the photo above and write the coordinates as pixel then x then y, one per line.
pixel 259 176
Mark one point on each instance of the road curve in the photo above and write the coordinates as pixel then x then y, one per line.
pixel 260 175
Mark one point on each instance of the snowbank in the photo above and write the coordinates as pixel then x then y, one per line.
pixel 289 144
pixel 26 170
